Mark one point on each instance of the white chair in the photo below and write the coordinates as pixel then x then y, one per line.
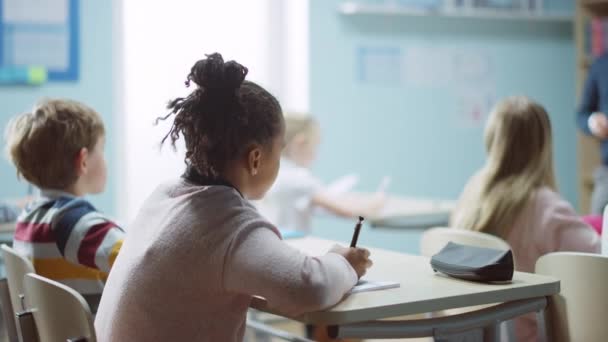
pixel 17 266
pixel 578 312
pixel 60 313
pixel 434 239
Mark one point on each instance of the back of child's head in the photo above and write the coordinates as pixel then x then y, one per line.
pixel 299 124
pixel 223 115
pixel 520 160
pixel 519 142
pixel 44 143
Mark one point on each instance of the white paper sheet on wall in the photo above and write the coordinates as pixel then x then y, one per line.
pixel 35 11
pixel 379 65
pixel 50 49
pixel 427 67
pixel 468 74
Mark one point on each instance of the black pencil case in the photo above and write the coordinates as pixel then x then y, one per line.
pixel 474 263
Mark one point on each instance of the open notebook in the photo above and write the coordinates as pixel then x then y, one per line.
pixel 370 285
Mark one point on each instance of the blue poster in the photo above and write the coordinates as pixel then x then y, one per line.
pixel 40 34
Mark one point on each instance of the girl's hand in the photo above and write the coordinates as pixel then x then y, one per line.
pixel 358 258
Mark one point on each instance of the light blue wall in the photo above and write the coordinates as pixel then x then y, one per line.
pixel 94 88
pixel 410 133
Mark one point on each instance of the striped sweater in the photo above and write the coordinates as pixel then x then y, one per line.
pixel 69 241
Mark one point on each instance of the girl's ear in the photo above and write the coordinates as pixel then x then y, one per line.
pixel 81 162
pixel 254 159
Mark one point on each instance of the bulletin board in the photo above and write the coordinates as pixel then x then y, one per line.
pixel 43 34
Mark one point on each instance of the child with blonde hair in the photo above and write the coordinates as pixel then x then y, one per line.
pixel 297 192
pixel 59 148
pixel 514 196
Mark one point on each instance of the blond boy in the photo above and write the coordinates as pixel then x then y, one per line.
pixel 59 147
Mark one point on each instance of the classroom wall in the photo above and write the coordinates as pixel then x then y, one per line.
pixel 187 34
pixel 93 88
pixel 415 134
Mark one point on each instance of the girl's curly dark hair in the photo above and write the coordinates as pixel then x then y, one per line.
pixel 222 116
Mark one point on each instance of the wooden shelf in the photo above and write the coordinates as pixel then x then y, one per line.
pixel 354 9
pixel 596 7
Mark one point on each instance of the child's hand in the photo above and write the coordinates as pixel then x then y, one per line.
pixel 598 125
pixel 358 258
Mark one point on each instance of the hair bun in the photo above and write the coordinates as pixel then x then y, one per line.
pixel 212 73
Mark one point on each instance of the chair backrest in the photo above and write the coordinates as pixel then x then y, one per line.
pixel 60 312
pixel 434 239
pixel 583 299
pixel 17 266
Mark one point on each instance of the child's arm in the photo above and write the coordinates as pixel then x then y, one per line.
pixel 259 263
pixel 303 186
pixel 86 237
pixel 555 226
pixel 571 233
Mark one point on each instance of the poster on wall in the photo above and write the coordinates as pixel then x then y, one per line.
pixel 379 65
pixel 474 84
pixel 467 74
pixel 40 34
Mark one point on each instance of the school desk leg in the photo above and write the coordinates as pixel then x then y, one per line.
pixel 542 324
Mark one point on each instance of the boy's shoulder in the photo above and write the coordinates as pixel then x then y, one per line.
pixel 60 210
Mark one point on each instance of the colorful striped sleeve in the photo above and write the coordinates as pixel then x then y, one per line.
pixel 86 237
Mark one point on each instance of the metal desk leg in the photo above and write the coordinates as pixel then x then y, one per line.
pixel 542 325
pixel 478 320
pixel 508 331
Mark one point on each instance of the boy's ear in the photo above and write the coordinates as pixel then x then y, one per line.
pixel 254 159
pixel 81 161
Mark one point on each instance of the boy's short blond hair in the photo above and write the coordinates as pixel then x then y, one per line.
pixel 298 123
pixel 43 144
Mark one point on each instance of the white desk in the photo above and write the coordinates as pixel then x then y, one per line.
pixel 7 230
pixel 7 227
pixel 406 212
pixel 421 290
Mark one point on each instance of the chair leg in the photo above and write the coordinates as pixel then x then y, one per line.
pixel 8 314
pixel 491 333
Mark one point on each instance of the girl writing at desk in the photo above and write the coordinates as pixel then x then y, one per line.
pixel 198 251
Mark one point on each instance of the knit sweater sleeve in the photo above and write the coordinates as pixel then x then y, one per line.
pixel 260 263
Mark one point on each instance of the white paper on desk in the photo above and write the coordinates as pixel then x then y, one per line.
pixel 370 285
